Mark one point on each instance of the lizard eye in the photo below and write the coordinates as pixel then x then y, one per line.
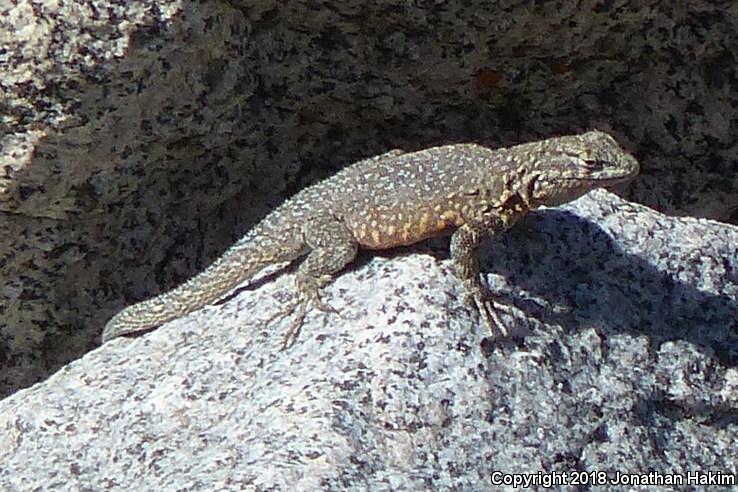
pixel 590 162
pixel 595 164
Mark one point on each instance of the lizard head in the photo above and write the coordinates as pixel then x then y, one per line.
pixel 568 167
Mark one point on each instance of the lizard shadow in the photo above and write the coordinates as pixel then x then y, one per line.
pixel 573 263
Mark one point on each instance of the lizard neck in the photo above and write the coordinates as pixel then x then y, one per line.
pixel 517 193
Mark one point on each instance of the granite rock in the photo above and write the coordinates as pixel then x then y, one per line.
pixel 625 361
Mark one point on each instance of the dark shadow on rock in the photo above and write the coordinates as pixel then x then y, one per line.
pixel 567 260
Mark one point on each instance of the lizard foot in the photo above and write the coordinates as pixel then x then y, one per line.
pixel 293 330
pixel 308 295
pixel 484 301
pixel 297 306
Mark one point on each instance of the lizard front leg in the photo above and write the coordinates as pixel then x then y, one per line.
pixel 464 253
pixel 331 247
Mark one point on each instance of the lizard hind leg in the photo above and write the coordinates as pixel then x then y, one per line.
pixel 332 246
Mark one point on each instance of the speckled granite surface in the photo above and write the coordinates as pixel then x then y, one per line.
pixel 631 365
pixel 138 140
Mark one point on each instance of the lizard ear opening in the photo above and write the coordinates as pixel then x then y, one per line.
pixel 534 191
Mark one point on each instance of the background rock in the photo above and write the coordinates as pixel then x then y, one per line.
pixel 140 139
pixel 629 365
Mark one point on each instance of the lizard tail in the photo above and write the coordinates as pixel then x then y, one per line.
pixel 235 266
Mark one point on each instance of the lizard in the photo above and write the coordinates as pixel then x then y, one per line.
pixel 396 199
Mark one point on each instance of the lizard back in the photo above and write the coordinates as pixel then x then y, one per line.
pixel 411 197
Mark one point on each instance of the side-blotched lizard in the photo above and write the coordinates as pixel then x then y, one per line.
pixel 397 199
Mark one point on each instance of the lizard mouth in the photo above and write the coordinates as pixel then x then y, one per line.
pixel 614 181
pixel 629 172
pixel 604 181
